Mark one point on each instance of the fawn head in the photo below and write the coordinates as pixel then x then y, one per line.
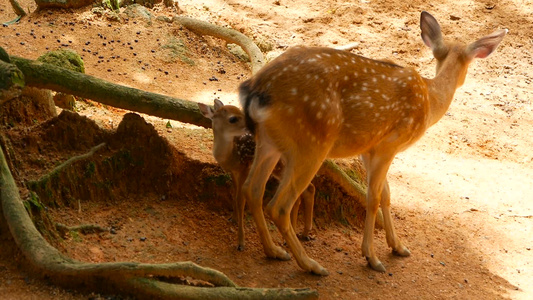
pixel 227 120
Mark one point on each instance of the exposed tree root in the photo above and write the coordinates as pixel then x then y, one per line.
pixel 141 280
pixel 348 47
pixel 58 79
pixel 84 228
pixel 18 10
pixel 227 34
pixel 44 179
pixel 11 80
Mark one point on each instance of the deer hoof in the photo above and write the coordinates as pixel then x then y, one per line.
pixel 305 237
pixel 317 269
pixel 401 251
pixel 376 265
pixel 279 254
pixel 321 271
pixel 240 248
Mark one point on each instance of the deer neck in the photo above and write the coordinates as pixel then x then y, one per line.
pixel 441 89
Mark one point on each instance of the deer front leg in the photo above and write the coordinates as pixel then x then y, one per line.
pixel 377 166
pixel 265 159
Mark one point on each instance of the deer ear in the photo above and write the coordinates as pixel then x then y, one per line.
pixel 206 110
pixel 218 104
pixel 431 33
pixel 485 45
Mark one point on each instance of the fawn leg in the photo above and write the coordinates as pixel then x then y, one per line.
pixel 239 207
pixel 392 238
pixel 296 177
pixel 265 159
pixel 308 197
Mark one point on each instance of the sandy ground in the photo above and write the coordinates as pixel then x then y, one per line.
pixel 461 195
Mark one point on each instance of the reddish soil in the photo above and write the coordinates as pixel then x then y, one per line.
pixel 461 196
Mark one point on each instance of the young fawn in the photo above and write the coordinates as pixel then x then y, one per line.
pixel 313 103
pixel 233 149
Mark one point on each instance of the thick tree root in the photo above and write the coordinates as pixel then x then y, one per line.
pixel 141 280
pixel 58 79
pixel 11 81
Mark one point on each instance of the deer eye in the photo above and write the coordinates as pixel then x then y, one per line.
pixel 233 120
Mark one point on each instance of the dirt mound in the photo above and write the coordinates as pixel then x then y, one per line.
pixel 135 160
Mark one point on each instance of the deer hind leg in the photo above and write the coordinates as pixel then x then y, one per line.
pixel 377 167
pixel 297 175
pixel 265 159
pixel 392 238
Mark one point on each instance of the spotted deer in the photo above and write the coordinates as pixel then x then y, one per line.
pixel 312 103
pixel 233 149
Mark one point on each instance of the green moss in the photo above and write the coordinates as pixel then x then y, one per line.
pixel 177 49
pixel 75 236
pixel 219 180
pixel 64 58
pixel 33 204
pixel 90 169
pixel 120 161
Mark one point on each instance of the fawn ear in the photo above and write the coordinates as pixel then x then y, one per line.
pixel 485 45
pixel 206 110
pixel 218 104
pixel 431 34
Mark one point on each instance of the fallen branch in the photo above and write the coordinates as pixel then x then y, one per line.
pixel 140 280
